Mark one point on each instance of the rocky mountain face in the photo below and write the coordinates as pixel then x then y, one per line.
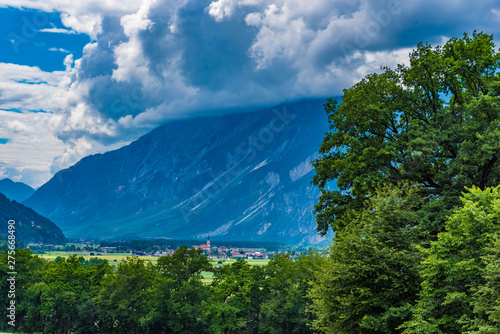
pixel 236 177
pixel 29 226
pixel 16 191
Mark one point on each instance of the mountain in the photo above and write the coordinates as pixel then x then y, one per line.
pixel 241 176
pixel 16 191
pixel 29 225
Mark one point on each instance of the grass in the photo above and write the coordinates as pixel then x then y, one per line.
pixel 207 277
pixel 110 257
pixel 115 258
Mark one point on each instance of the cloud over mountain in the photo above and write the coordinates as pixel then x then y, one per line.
pixel 153 61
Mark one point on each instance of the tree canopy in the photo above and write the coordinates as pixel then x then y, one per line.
pixel 370 280
pixel 454 267
pixel 435 123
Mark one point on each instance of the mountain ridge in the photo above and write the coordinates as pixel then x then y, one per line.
pixel 236 176
pixel 16 191
pixel 29 225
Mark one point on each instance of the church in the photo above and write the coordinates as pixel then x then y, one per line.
pixel 205 247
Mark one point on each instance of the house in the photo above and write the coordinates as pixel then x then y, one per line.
pixel 260 256
pixel 108 249
pixel 237 254
pixel 206 247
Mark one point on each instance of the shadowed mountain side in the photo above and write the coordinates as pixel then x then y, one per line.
pixel 16 191
pixel 241 177
pixel 29 225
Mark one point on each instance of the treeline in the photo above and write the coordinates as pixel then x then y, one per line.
pixel 173 244
pixel 415 155
pixel 386 274
pixel 77 296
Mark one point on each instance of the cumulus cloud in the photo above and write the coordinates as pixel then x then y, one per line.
pixel 220 9
pixel 82 16
pixel 46 123
pixel 152 61
pixel 28 155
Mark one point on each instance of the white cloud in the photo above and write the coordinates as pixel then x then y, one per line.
pixel 28 155
pixel 59 50
pixel 58 31
pixel 27 88
pixel 82 16
pixel 151 61
pixel 221 8
pixel 36 139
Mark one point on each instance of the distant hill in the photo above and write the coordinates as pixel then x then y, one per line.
pixel 29 226
pixel 236 177
pixel 16 191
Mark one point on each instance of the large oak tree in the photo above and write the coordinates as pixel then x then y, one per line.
pixel 435 123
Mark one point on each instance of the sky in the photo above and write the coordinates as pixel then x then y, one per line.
pixel 85 77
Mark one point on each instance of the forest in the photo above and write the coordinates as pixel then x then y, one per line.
pixel 409 175
pixel 75 295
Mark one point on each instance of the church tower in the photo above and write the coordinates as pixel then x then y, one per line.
pixel 208 242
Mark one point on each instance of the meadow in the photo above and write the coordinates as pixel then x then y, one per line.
pixel 115 258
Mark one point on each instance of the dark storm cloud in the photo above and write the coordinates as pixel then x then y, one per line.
pixel 201 55
pixel 101 61
pixel 154 61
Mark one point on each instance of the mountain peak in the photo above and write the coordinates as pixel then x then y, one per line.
pixel 240 177
pixel 17 191
pixel 29 225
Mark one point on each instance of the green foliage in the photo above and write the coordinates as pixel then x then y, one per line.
pixel 50 295
pixel 435 123
pixel 66 285
pixel 235 298
pixel 176 307
pixel 123 299
pixel 184 264
pixel 29 268
pixel 486 297
pixel 177 293
pixel 263 299
pixel 285 308
pixel 370 279
pixel 74 295
pixel 453 268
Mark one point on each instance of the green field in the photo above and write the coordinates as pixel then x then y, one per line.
pixel 111 257
pixel 115 258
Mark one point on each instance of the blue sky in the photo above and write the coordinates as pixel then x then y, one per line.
pixel 28 39
pixel 81 77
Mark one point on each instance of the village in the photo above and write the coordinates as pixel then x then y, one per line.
pixel 211 251
pixel 152 249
